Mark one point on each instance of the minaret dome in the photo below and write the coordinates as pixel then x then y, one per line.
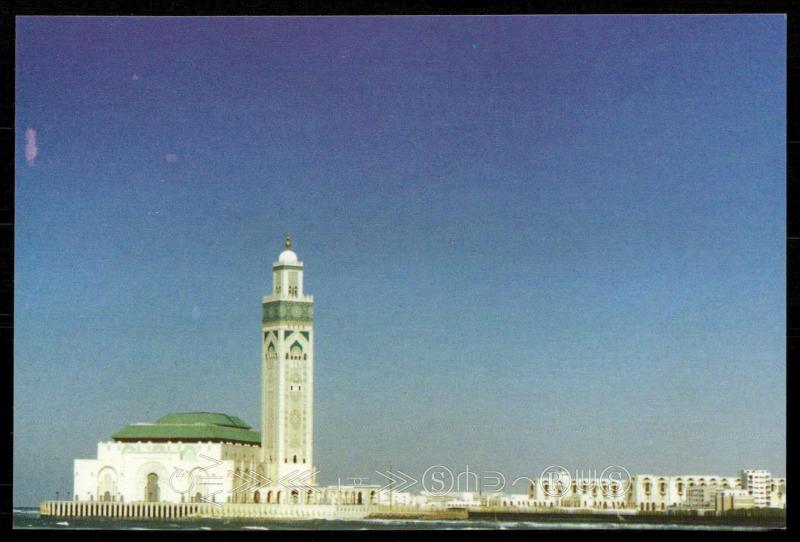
pixel 288 255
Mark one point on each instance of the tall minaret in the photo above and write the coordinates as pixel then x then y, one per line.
pixel 287 398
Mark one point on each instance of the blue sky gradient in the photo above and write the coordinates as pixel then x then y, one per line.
pixel 531 240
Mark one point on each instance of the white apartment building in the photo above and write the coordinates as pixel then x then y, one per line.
pixel 758 483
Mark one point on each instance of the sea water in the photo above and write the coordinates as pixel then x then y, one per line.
pixel 28 518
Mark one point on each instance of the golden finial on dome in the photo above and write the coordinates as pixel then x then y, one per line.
pixel 288 242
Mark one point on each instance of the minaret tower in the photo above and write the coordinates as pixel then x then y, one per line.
pixel 287 361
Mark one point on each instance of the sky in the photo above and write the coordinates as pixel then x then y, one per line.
pixel 532 241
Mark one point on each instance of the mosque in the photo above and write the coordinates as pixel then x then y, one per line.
pixel 215 457
pixel 206 463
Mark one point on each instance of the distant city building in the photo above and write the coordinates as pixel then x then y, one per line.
pixel 701 497
pixel 733 499
pixel 586 493
pixel 644 492
pixel 777 492
pixel 757 483
pixel 657 493
pixel 464 499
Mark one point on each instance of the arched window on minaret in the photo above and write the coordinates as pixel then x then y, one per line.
pixel 296 351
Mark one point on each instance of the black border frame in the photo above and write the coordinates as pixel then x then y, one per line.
pixel 411 7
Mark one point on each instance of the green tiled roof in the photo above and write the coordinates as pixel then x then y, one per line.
pixel 190 427
pixel 212 418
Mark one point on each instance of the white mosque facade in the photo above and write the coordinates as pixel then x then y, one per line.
pixel 184 457
pixel 217 459
pixel 214 457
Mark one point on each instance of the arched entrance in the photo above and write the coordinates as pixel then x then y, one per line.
pixel 107 484
pixel 151 490
pixel 256 497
